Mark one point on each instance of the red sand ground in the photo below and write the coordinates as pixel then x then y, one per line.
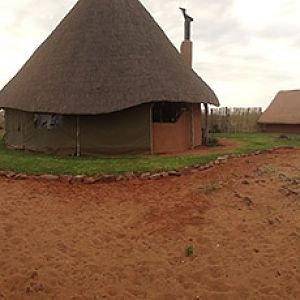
pixel 127 240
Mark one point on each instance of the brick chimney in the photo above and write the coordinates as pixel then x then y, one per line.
pixel 186 51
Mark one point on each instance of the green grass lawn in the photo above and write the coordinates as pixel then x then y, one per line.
pixel 33 163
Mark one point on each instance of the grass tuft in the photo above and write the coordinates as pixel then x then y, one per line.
pixel 210 187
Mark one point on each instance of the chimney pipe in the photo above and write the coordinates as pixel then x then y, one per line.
pixel 186 48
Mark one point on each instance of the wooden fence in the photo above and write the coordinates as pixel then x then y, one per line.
pixel 234 120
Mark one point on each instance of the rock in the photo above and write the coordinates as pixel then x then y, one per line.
pixel 248 201
pixel 202 168
pixel 3 173
pixel 174 173
pixel 21 177
pixel 164 174
pixel 225 157
pixel 155 176
pixel 245 182
pixel 130 175
pixel 290 192
pixel 186 171
pixel 39 287
pixel 145 175
pixel 194 171
pixel 34 275
pixel 237 195
pixel 77 179
pixel 120 178
pixel 89 180
pixel 65 179
pixel 106 179
pixel 264 151
pixel 208 166
pixel 49 177
pixel 10 174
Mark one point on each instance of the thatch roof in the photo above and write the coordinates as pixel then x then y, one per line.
pixel 105 56
pixel 285 109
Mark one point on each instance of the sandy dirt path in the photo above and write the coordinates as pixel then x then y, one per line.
pixel 127 240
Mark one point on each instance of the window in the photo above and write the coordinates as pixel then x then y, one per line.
pixel 48 121
pixel 167 112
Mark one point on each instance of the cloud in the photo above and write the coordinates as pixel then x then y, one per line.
pixel 246 50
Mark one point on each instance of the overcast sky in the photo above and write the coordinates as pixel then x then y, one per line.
pixel 246 50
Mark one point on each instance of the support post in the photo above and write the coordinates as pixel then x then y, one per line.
pixel 226 120
pixel 78 145
pixel 22 130
pixel 206 124
pixel 151 130
pixel 193 128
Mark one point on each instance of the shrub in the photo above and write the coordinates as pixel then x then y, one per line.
pixel 213 142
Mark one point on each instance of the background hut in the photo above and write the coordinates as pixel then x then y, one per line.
pixel 107 80
pixel 283 114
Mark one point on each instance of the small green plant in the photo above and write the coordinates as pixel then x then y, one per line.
pixel 266 170
pixel 210 187
pixel 213 142
pixel 189 251
pixel 274 172
pixel 284 137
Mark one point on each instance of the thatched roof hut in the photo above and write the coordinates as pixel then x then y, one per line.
pixel 283 114
pixel 99 74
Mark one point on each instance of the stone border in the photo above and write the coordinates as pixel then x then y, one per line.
pixel 104 178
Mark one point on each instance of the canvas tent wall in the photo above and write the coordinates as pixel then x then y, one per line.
pixel 283 114
pixel 121 132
